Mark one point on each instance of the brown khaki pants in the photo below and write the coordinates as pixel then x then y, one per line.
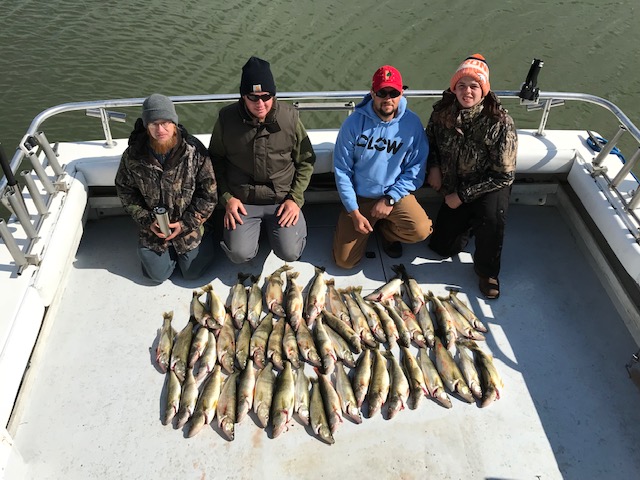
pixel 407 223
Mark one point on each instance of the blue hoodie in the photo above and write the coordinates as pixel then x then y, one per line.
pixel 373 158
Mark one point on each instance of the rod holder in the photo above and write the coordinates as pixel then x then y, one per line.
pixel 163 220
pixel 606 149
pixel 626 168
pixel 38 200
pixel 11 244
pixel 52 157
pixel 42 175
pixel 21 213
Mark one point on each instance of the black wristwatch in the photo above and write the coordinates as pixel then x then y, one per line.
pixel 389 200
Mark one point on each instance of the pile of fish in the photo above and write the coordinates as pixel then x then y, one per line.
pixel 347 339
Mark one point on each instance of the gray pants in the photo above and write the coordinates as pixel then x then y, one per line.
pixel 241 244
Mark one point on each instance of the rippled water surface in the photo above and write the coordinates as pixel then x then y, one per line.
pixel 60 51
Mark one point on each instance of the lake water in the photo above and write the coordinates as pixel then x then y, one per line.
pixel 60 51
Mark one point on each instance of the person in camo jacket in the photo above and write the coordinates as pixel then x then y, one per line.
pixel 166 166
pixel 472 163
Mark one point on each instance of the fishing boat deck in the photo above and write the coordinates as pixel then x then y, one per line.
pixel 92 404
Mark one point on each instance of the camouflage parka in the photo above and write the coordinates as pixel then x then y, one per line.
pixel 185 185
pixel 477 154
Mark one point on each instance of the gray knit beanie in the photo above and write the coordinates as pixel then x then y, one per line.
pixel 158 107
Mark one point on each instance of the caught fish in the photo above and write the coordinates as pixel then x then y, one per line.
pixel 246 389
pixel 432 379
pixel 259 339
pixel 410 321
pixel 344 330
pixel 180 351
pixel 216 308
pixel 466 312
pixel 336 304
pixel 399 388
pixel 208 359
pixel 324 346
pixel 294 301
pixel 388 325
pixel 199 310
pixel 239 300
pixel 207 402
pixel 302 398
pixel 283 400
pixel 426 325
pixel 362 377
pixel 446 327
pixel 274 345
pixel 492 384
pixel 243 345
pixel 306 345
pixel 173 397
pixel 358 319
pixel 341 347
pixel 386 291
pixel 450 373
pixel 370 314
pixel 265 385
pixel 198 345
pixel 413 289
pixel 254 302
pixel 316 297
pixel 188 399
pixel 462 325
pixel 274 295
pixel 403 332
pixel 165 342
pixel 226 345
pixel 331 401
pixel 416 378
pixel 317 415
pixel 290 346
pixel 348 401
pixel 380 384
pixel 226 407
pixel 468 370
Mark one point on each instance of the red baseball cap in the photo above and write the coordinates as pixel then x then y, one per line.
pixel 387 76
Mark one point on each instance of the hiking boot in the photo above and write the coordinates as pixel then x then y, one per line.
pixel 490 287
pixel 392 249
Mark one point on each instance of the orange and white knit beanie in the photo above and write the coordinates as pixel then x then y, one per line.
pixel 475 67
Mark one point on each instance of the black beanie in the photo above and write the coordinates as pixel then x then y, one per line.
pixel 257 77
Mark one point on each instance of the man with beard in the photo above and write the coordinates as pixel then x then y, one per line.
pixel 166 166
pixel 263 161
pixel 379 159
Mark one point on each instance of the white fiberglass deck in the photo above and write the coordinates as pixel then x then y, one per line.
pixel 93 406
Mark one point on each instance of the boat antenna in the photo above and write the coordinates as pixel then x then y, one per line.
pixel 530 91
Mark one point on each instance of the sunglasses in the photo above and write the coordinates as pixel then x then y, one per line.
pixel 264 97
pixel 393 93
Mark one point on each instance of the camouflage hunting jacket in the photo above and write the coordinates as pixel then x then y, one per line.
pixel 185 185
pixel 477 155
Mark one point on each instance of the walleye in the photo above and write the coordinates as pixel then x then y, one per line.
pixel 362 377
pixel 290 346
pixel 370 314
pixel 180 351
pixel 165 342
pixel 294 301
pixel 433 380
pixel 317 415
pixel 243 344
pixel 399 388
pixel 188 399
pixel 358 319
pixel 283 401
pixel 198 345
pixel 404 335
pixel 331 401
pixel 388 325
pixel 466 312
pixel 226 407
pixel 216 308
pixel 274 295
pixel 259 339
pixel 413 289
pixel 348 400
pixel 450 373
pixel 341 347
pixel 492 383
pixel 246 388
pixel 306 346
pixel 254 302
pixel 336 304
pixel 423 318
pixel 226 345
pixel 344 330
pixel 324 347
pixel 410 321
pixel 446 328
pixel 301 404
pixel 468 370
pixel 198 309
pixel 386 291
pixel 462 325
pixel 208 359
pixel 265 385
pixel 173 397
pixel 380 384
pixel 416 378
pixel 316 297
pixel 207 402
pixel 274 345
pixel 239 300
